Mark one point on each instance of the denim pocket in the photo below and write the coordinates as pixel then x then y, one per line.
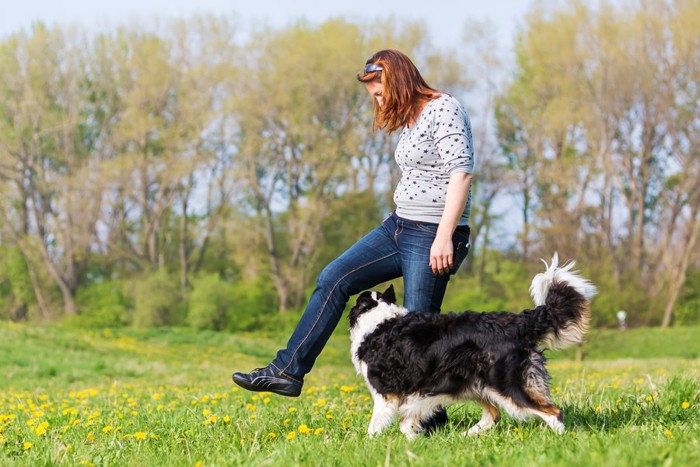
pixel 428 228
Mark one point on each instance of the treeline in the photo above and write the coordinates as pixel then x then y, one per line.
pixel 203 174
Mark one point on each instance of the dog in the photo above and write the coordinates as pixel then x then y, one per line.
pixel 414 363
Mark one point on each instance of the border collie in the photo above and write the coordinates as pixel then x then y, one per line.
pixel 415 362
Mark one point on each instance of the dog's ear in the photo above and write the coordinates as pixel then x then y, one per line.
pixel 364 303
pixel 389 295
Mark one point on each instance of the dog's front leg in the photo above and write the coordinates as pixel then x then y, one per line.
pixel 382 415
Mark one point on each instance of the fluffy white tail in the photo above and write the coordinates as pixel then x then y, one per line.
pixel 543 281
pixel 565 296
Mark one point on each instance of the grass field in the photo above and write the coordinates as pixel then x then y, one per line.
pixel 164 397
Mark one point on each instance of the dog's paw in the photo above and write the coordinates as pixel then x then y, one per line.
pixel 559 428
pixel 410 429
pixel 373 430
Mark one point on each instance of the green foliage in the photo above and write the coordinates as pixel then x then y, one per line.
pixel 687 311
pixel 102 305
pixel 209 302
pixel 15 288
pixel 253 305
pixel 157 300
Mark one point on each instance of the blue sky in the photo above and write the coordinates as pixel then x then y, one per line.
pixel 445 20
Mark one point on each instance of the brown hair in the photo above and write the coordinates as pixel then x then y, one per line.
pixel 405 91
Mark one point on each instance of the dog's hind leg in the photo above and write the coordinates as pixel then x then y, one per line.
pixel 410 426
pixel 385 408
pixel 537 390
pixel 489 417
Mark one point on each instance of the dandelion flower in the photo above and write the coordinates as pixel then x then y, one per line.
pixel 318 431
pixel 669 433
pixel 304 429
pixel 291 435
pixel 292 409
pixel 272 435
pixel 140 435
pixel 107 429
pixel 41 429
pixel 26 446
pixel 685 404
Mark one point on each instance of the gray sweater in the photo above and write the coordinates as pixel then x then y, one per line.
pixel 437 145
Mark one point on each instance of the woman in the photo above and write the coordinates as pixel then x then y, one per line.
pixel 424 240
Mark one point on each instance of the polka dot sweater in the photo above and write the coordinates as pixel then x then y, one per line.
pixel 437 145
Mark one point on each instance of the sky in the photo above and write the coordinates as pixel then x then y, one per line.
pixel 444 18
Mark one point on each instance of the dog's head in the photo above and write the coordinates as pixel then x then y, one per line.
pixel 369 300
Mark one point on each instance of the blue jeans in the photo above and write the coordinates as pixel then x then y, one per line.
pixel 398 247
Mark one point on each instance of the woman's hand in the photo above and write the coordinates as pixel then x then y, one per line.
pixel 442 255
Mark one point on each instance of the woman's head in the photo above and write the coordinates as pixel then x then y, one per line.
pixel 398 89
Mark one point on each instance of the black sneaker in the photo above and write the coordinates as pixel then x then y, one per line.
pixel 436 421
pixel 265 379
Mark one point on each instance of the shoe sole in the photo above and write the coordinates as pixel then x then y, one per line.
pixel 251 387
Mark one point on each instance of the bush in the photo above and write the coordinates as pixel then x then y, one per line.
pixel 253 306
pixel 210 300
pixel 157 300
pixel 102 305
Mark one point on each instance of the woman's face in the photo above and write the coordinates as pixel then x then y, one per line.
pixel 375 89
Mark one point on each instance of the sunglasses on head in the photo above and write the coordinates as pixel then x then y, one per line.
pixel 372 67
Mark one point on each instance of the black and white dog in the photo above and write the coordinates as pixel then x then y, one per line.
pixel 415 362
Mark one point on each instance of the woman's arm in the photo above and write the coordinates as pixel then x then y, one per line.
pixel 441 253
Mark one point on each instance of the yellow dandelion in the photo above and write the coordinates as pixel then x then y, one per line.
pixel 286 421
pixel 292 409
pixel 348 388
pixel 272 435
pixel 107 429
pixel 266 400
pixel 140 435
pixel 26 446
pixel 304 429
pixel 669 433
pixel 319 403
pixel 227 419
pixel 649 398
pixel 206 412
pixel 90 437
pixel 318 431
pixel 685 404
pixel 41 428
pixel 597 409
pixel 253 417
pixel 291 435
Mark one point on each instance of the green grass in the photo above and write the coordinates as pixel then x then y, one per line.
pixel 164 397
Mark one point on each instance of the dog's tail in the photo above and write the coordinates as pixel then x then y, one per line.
pixel 562 298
